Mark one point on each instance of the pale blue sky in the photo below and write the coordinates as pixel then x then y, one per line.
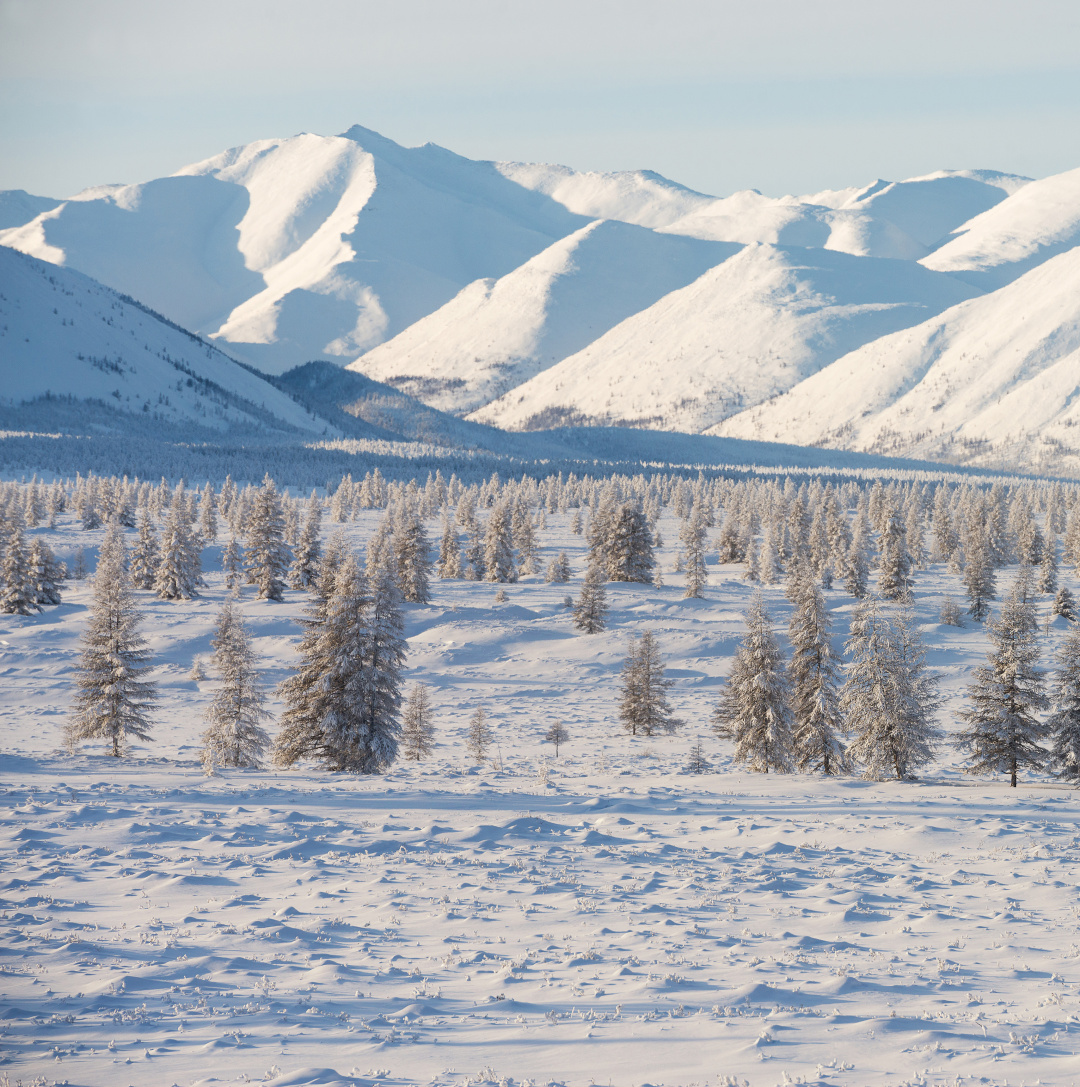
pixel 778 95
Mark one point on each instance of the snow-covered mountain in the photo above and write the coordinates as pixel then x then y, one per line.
pixel 497 334
pixel 994 379
pixel 747 329
pixel 65 337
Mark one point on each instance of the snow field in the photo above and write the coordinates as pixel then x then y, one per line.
pixel 602 917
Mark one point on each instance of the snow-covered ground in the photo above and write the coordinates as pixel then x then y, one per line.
pixel 603 917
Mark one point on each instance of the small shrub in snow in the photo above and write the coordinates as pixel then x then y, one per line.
pixel 950 613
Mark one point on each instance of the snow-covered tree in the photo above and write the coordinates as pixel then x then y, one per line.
pixel 305 564
pixel 813 675
pixel 893 578
pixel 113 698
pixel 590 609
pixel 950 613
pixel 626 547
pixel 342 704
pixel 449 552
pixel 479 736
pixel 46 574
pixel 417 728
pixel 17 593
pixel 1064 723
pixel 556 735
pixel 755 704
pixel 499 546
pixel 235 735
pixel 266 555
pixel 558 571
pixel 857 562
pixel 1003 730
pixel 179 568
pixel 146 555
pixel 1064 604
pixel 692 535
pixel 697 762
pixel 889 698
pixel 208 527
pixel 1048 567
pixel 978 576
pixel 411 547
pixel 643 703
pixel 524 537
pixel 230 563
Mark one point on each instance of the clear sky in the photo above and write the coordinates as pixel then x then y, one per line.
pixel 778 95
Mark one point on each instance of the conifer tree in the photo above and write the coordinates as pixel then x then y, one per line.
pixel 479 735
pixel 410 544
pixel 627 545
pixel 893 579
pixel 145 556
pixel 813 672
pixel 46 574
pixel 857 564
pixel 179 568
pixel 755 704
pixel 449 552
pixel 889 698
pixel 305 564
pixel 524 536
pixel 417 728
pixel 978 577
pixel 230 563
pixel 17 593
pixel 1064 604
pixel 113 699
pixel 1003 730
pixel 1064 724
pixel 643 702
pixel 234 734
pixel 692 536
pixel 499 546
pixel 697 763
pixel 556 735
pixel 208 515
pixel 1048 567
pixel 590 609
pixel 558 571
pixel 266 555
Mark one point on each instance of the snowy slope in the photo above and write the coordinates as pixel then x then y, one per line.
pixel 1035 223
pixel 306 247
pixel 497 334
pixel 994 377
pixel 746 330
pixel 62 334
pixel 18 207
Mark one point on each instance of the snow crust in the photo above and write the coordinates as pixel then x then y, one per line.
pixel 747 329
pixel 602 916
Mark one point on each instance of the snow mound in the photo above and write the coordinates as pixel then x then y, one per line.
pixel 497 334
pixel 990 376
pixel 746 330
pixel 63 335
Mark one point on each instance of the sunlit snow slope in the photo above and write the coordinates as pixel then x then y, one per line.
pixel 63 335
pixel 747 329
pixel 993 379
pixel 496 334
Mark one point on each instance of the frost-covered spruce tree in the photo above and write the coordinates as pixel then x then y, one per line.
pixel 499 546
pixel 978 576
pixel 857 563
pixel 266 555
pixel 305 564
pixel 813 675
pixel 1064 604
pixel 208 527
pixel 590 608
pixel 113 698
pixel 755 704
pixel 145 556
pixel 692 536
pixel 449 552
pixel 411 547
pixel 417 728
pixel 1003 732
pixel 643 704
pixel 889 698
pixel 479 737
pixel 697 763
pixel 627 545
pixel 46 574
pixel 179 569
pixel 893 578
pixel 1064 724
pixel 230 564
pixel 524 536
pixel 17 594
pixel 1048 567
pixel 558 571
pixel 235 735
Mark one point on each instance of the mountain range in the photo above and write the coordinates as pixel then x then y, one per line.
pixel 930 317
